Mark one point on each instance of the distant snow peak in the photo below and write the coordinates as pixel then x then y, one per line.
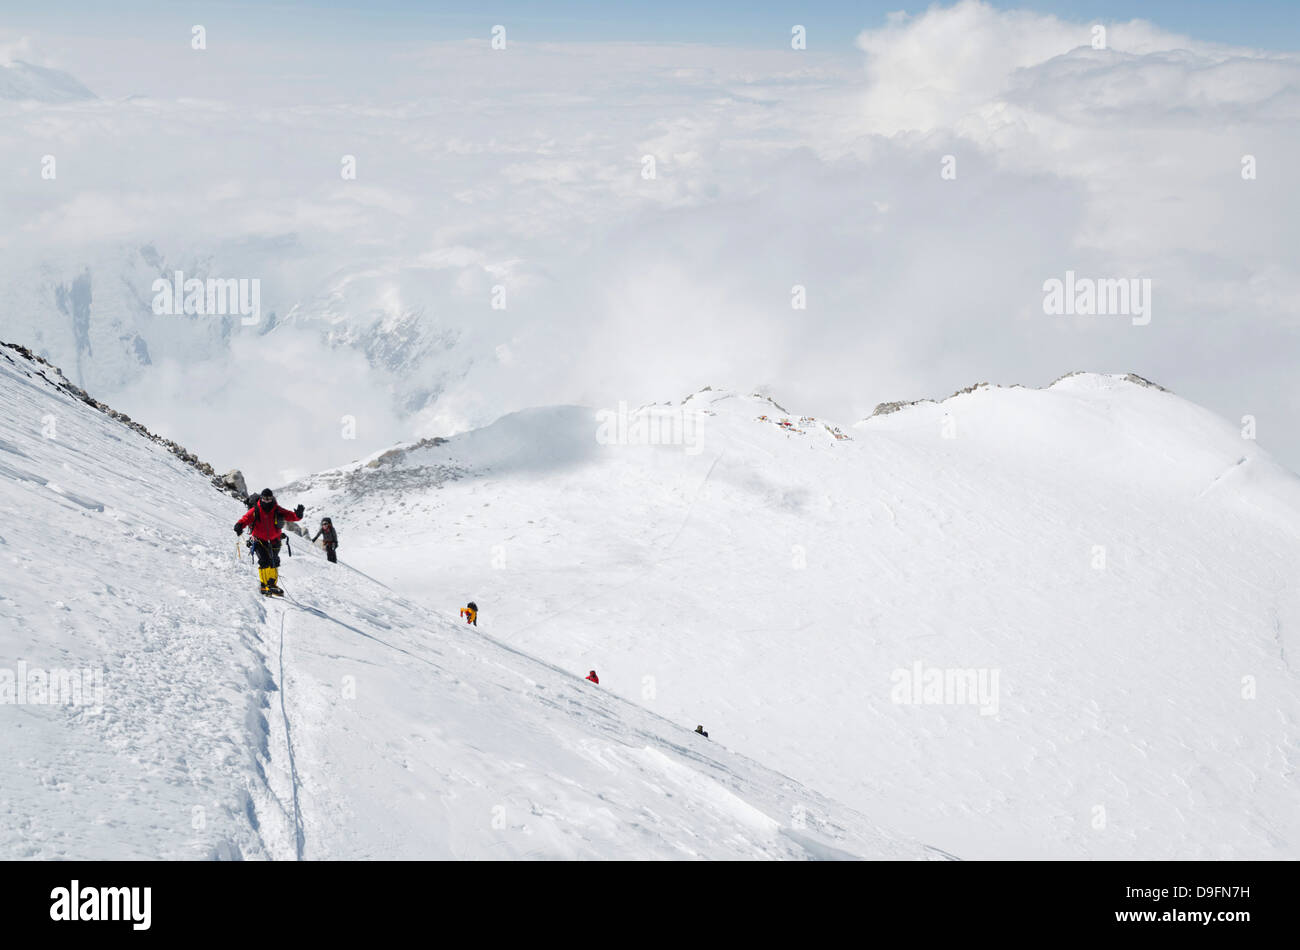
pixel 1133 378
pixel 885 408
pixel 20 80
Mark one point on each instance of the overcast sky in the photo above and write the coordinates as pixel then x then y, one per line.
pixel 774 167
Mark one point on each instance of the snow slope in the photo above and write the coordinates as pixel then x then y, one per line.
pixel 345 721
pixel 1122 561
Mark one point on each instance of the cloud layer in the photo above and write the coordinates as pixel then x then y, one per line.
pixel 526 169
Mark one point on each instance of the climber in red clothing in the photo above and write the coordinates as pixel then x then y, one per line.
pixel 593 677
pixel 264 520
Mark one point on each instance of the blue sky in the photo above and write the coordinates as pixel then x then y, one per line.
pixel 1270 24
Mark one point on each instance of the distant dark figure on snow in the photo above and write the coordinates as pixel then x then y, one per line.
pixel 593 677
pixel 264 520
pixel 331 539
pixel 470 613
pixel 700 730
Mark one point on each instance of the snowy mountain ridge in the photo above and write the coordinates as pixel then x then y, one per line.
pixel 54 376
pixel 345 721
pixel 1115 558
pixel 885 408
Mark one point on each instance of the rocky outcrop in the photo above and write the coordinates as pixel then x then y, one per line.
pixel 393 456
pixel 233 482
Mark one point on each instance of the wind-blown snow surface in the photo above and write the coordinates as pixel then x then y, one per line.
pixel 342 722
pixel 1123 561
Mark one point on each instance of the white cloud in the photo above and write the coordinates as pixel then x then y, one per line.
pixel 20 49
pixel 773 168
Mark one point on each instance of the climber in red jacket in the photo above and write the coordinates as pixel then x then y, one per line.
pixel 593 677
pixel 264 520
